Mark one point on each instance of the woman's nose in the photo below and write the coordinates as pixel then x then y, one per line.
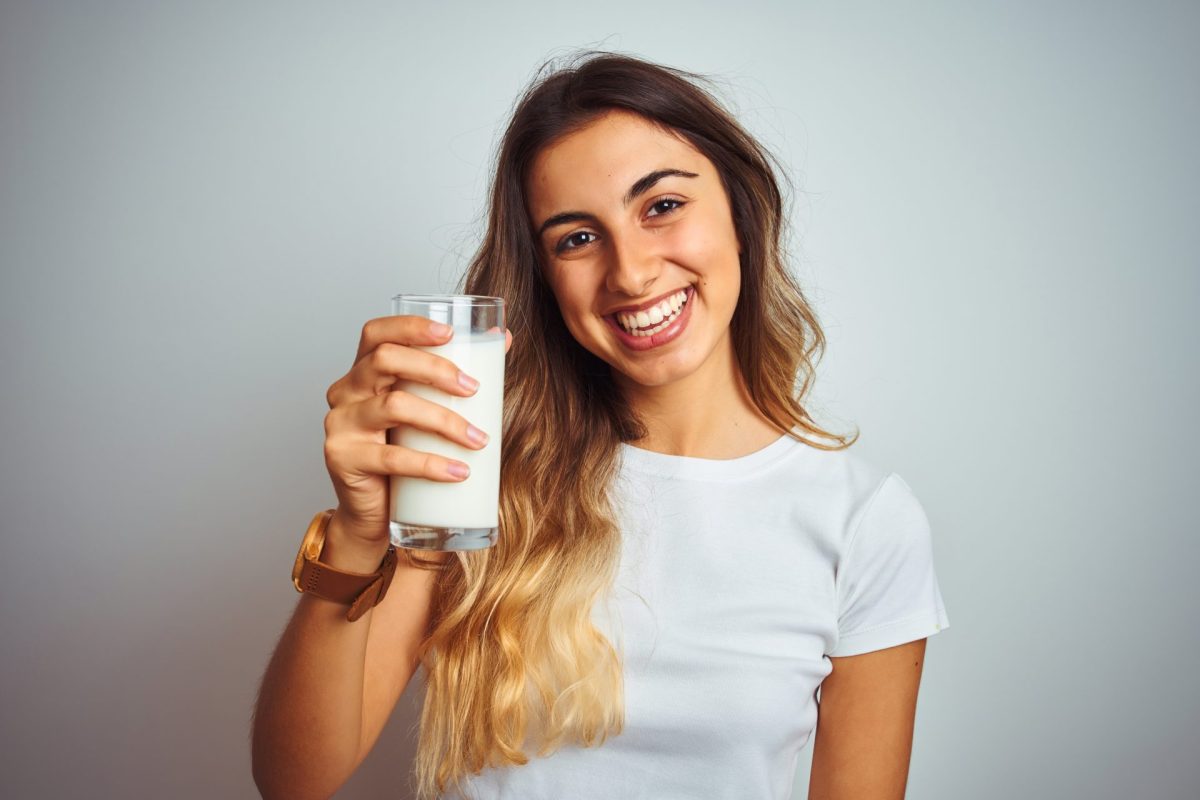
pixel 631 270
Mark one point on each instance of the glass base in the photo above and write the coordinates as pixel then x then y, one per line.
pixel 419 537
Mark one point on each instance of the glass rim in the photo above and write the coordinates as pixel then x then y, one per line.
pixel 452 299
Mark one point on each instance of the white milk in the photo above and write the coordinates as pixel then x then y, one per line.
pixel 471 503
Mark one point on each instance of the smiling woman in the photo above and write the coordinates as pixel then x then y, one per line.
pixel 685 555
pixel 650 221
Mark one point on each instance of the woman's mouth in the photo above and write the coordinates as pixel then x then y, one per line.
pixel 654 326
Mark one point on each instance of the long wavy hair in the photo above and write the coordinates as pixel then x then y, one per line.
pixel 513 662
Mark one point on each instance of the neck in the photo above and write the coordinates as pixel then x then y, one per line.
pixel 708 414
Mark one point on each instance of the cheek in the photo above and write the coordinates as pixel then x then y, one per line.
pixel 572 306
pixel 708 243
pixel 711 255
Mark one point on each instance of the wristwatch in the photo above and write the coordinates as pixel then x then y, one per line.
pixel 360 592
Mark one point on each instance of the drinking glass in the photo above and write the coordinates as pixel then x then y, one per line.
pixel 457 515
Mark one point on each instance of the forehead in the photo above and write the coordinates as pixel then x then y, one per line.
pixel 601 160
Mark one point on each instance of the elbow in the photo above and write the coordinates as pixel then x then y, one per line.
pixel 280 778
pixel 281 773
pixel 273 786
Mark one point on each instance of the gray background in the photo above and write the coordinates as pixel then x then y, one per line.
pixel 201 204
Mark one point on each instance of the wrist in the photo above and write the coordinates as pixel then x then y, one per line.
pixel 345 550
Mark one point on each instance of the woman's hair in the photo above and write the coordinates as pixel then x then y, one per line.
pixel 513 659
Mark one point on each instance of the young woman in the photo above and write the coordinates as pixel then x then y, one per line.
pixel 684 555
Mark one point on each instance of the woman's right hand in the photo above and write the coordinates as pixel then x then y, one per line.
pixel 363 405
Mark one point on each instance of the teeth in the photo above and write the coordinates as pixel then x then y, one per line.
pixel 654 319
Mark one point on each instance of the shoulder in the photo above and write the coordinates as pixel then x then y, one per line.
pixel 856 474
pixel 849 491
pixel 844 478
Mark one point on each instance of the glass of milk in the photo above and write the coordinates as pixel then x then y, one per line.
pixel 456 515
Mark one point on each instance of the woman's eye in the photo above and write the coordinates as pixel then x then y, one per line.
pixel 576 240
pixel 666 205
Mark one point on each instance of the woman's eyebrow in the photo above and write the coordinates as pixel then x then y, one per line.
pixel 564 218
pixel 640 187
pixel 644 183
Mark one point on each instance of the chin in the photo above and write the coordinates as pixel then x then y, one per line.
pixel 658 375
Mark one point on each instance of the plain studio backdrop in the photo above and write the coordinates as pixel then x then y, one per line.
pixel 993 211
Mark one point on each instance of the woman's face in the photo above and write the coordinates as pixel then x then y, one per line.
pixel 639 248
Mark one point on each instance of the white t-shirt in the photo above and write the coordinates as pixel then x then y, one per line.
pixel 738 579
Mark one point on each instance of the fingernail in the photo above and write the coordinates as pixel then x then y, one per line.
pixel 475 435
pixel 467 382
pixel 458 470
pixel 439 329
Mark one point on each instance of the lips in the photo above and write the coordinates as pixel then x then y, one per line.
pixel 655 318
pixel 648 304
pixel 660 338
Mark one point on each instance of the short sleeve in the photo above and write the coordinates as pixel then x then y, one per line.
pixel 887 589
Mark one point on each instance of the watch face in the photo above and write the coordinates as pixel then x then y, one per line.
pixel 310 547
pixel 296 568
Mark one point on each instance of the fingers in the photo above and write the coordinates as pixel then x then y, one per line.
pixel 403 329
pixel 364 405
pixel 347 459
pixel 376 373
pixel 386 459
pixel 397 408
pixel 387 354
pixel 353 446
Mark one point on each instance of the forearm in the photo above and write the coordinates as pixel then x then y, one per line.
pixel 309 714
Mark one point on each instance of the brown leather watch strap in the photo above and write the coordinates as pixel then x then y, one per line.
pixel 373 594
pixel 360 592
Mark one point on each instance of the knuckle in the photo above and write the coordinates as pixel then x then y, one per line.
pixel 429 466
pixel 333 456
pixel 395 403
pixel 381 356
pixel 330 424
pixel 393 460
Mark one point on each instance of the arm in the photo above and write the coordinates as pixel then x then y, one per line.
pixel 331 684
pixel 865 719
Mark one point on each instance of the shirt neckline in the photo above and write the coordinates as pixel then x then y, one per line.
pixel 690 467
